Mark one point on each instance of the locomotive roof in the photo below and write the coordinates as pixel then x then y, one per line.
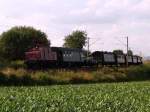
pixel 67 49
pixel 102 52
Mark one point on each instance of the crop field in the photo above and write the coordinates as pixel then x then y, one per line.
pixel 106 97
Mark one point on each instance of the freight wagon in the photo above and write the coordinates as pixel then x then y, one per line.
pixel 49 57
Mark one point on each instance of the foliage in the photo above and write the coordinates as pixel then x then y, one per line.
pixel 114 97
pixel 16 74
pixel 119 52
pixel 76 40
pixel 17 40
pixel 130 52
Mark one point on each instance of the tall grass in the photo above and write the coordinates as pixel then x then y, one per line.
pixel 139 73
pixel 12 64
pixel 16 74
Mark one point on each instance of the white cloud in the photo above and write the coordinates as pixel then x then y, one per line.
pixel 92 4
pixel 104 19
pixel 79 12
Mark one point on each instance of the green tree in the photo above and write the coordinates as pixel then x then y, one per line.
pixel 17 40
pixel 118 51
pixel 77 39
pixel 130 52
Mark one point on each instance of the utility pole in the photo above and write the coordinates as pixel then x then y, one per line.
pixel 127 47
pixel 141 53
pixel 127 50
pixel 88 42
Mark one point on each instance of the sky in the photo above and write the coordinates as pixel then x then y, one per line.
pixel 107 22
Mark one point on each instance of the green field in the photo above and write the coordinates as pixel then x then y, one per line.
pixel 106 97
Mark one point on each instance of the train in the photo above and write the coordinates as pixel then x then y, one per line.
pixel 52 57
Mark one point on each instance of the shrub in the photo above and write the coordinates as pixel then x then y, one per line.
pixel 21 76
pixel 17 64
pixel 3 79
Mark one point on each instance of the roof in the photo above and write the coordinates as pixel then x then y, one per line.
pixel 67 49
pixel 103 52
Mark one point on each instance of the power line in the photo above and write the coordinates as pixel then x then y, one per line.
pixel 120 41
pixel 127 47
pixel 88 44
pixel 88 41
pixel 98 39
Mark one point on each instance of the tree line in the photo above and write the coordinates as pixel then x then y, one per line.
pixel 17 40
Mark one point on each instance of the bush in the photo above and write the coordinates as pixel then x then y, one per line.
pixel 18 40
pixel 3 79
pixel 17 64
pixel 139 72
pixel 21 76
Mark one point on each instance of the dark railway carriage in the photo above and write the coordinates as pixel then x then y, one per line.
pixel 109 58
pixel 135 60
pixel 98 57
pixel 129 59
pixel 104 58
pixel 69 57
pixel 121 59
pixel 139 60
